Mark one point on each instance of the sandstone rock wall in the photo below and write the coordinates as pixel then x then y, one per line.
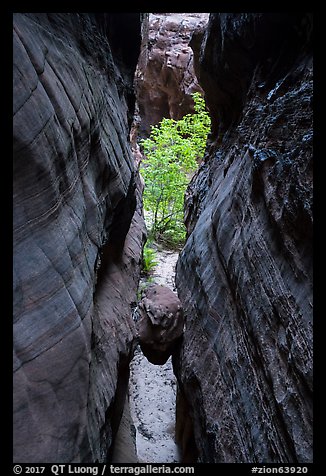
pixel 245 274
pixel 76 257
pixel 165 77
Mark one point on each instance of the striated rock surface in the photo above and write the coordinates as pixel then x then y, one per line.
pixel 245 274
pixel 165 77
pixel 161 323
pixel 77 231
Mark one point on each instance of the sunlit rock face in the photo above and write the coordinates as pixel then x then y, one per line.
pixel 78 231
pixel 245 275
pixel 165 77
pixel 161 323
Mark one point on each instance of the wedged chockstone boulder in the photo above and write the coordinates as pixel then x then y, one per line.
pixel 78 231
pixel 160 327
pixel 244 276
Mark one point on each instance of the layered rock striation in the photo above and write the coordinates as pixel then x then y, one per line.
pixel 78 231
pixel 245 274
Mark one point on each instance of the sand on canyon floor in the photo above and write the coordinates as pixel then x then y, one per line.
pixel 152 390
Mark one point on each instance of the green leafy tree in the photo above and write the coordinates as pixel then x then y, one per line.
pixel 172 152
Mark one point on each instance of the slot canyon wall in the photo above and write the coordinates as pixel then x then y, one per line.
pixel 78 231
pixel 165 76
pixel 245 274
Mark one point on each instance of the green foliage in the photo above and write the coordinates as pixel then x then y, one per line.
pixel 172 153
pixel 143 285
pixel 149 258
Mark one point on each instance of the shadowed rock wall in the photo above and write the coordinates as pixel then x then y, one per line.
pixel 77 231
pixel 245 274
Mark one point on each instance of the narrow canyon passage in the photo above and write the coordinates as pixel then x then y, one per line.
pixel 152 390
pixel 87 89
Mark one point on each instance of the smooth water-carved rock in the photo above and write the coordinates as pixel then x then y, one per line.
pixel 245 275
pixel 78 231
pixel 161 323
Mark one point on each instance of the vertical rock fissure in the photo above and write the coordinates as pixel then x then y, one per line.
pixel 164 82
pixel 238 387
pixel 152 390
